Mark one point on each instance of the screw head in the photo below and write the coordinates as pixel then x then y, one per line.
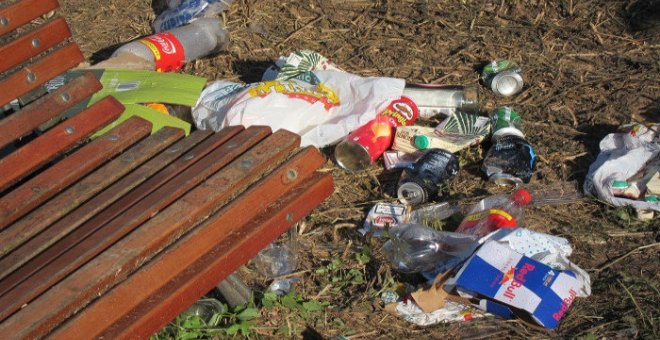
pixel 289 217
pixel 69 130
pixel 31 77
pixel 65 97
pixel 4 21
pixel 36 42
pixel 292 174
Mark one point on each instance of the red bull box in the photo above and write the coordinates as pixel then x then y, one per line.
pixel 507 283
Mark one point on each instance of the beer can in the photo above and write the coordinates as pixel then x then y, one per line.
pixel 510 161
pixel 503 77
pixel 421 182
pixel 505 121
pixel 365 145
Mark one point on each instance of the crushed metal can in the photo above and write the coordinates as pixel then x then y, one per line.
pixel 503 77
pixel 422 181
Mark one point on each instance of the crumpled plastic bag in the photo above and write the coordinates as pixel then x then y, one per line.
pixel 321 113
pixel 623 155
pixel 181 12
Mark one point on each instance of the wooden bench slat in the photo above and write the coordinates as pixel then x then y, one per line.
pixel 39 220
pixel 32 43
pixel 200 277
pixel 35 75
pixel 210 252
pixel 73 167
pixel 144 242
pixel 23 12
pixel 44 109
pixel 88 240
pixel 57 140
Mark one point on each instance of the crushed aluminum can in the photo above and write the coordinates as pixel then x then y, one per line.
pixel 503 77
pixel 421 182
pixel 505 121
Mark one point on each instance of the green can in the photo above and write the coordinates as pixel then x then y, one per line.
pixel 506 121
pixel 503 77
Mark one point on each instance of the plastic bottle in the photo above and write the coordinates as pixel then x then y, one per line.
pixel 181 12
pixel 168 51
pixel 414 248
pixel 443 99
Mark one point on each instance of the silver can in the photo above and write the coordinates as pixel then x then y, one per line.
pixel 503 77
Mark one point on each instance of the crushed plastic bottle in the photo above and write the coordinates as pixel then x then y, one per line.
pixel 182 12
pixel 414 248
pixel 170 50
pixel 278 259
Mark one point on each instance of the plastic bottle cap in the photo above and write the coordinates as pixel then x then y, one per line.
pixel 521 197
pixel 620 184
pixel 421 142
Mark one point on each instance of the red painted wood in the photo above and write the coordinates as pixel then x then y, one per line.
pixel 73 167
pixel 91 238
pixel 25 11
pixel 34 75
pixel 209 253
pixel 44 109
pixel 39 221
pixel 113 265
pixel 56 140
pixel 32 43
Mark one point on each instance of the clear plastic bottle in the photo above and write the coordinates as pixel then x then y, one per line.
pixel 168 51
pixel 181 12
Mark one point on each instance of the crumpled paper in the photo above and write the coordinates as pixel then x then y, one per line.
pixel 622 155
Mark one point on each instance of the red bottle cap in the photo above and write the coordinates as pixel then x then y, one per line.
pixel 521 197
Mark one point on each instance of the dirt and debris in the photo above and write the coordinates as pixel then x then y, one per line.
pixel 589 66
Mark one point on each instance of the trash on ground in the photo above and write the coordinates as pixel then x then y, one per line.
pixel 170 50
pixel 503 77
pixel 384 215
pixel 434 100
pixel 503 280
pixel 234 291
pixel 365 145
pixel 511 160
pixel 299 65
pixel 422 181
pixel 181 12
pixel 321 113
pixel 206 308
pixel 279 259
pixel 627 163
pixel 399 160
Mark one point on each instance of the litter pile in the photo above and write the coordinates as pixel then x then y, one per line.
pixel 491 264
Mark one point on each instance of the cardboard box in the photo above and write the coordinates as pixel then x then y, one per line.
pixel 509 283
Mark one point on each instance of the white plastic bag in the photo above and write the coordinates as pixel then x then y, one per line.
pixel 623 155
pixel 321 113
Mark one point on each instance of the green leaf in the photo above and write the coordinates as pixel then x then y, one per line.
pixel 290 302
pixel 215 319
pixel 312 306
pixel 188 335
pixel 193 321
pixel 245 328
pixel 321 271
pixel 233 329
pixel 248 314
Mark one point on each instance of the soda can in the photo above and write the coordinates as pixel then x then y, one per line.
pixel 505 121
pixel 363 146
pixel 421 182
pixel 503 77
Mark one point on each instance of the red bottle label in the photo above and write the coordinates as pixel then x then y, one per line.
pixel 167 50
pixel 494 219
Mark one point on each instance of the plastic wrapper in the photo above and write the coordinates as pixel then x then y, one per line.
pixel 321 113
pixel 181 12
pixel 414 248
pixel 622 156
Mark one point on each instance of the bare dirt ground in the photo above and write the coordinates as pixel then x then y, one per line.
pixel 589 66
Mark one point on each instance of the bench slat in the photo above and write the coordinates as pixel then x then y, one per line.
pixel 114 265
pixel 73 167
pixel 50 106
pixel 57 140
pixel 35 75
pixel 191 267
pixel 39 220
pixel 23 12
pixel 88 240
pixel 32 43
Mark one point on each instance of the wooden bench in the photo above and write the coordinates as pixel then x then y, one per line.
pixel 116 236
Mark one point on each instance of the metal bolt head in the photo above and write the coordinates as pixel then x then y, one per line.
pixel 289 217
pixel 69 130
pixel 292 174
pixel 246 163
pixel 4 21
pixel 31 77
pixel 36 42
pixel 65 97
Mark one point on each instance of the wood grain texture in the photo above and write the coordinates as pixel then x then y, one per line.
pixel 32 43
pixel 57 140
pixel 46 108
pixel 34 75
pixel 210 252
pixel 49 182
pixel 25 11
